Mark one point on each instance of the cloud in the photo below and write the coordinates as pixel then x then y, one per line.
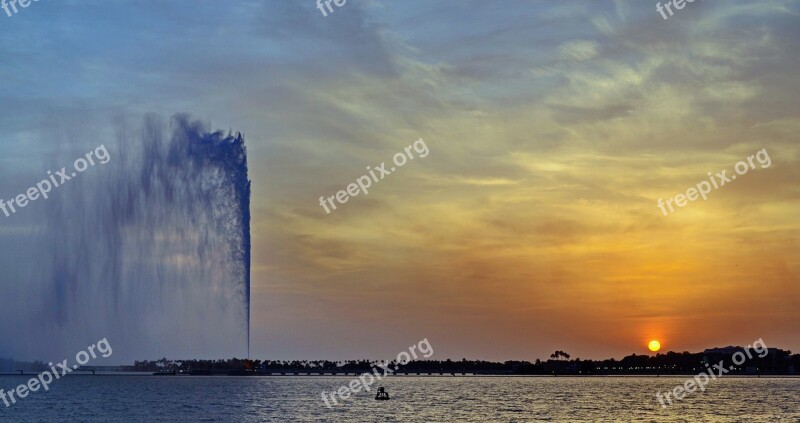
pixel 553 127
pixel 578 50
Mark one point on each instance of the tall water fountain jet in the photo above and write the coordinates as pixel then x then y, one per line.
pixel 151 250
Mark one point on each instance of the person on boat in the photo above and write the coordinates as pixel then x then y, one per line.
pixel 382 394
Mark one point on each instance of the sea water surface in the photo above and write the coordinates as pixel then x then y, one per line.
pixel 414 399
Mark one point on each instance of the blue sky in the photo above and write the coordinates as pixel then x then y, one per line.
pixel 553 129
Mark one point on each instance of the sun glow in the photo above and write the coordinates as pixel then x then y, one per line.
pixel 654 345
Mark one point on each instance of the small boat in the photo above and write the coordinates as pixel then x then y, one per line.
pixel 164 373
pixel 382 395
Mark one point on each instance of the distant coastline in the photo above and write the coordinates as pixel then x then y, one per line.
pixel 777 362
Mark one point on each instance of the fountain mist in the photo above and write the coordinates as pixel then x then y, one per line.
pixel 151 250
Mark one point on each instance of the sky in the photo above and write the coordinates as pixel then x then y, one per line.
pixel 532 225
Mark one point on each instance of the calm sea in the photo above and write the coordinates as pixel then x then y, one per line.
pixel 414 399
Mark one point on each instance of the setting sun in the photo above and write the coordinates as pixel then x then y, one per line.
pixel 654 345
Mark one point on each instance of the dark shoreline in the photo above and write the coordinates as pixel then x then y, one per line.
pixel 136 374
pixel 728 361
